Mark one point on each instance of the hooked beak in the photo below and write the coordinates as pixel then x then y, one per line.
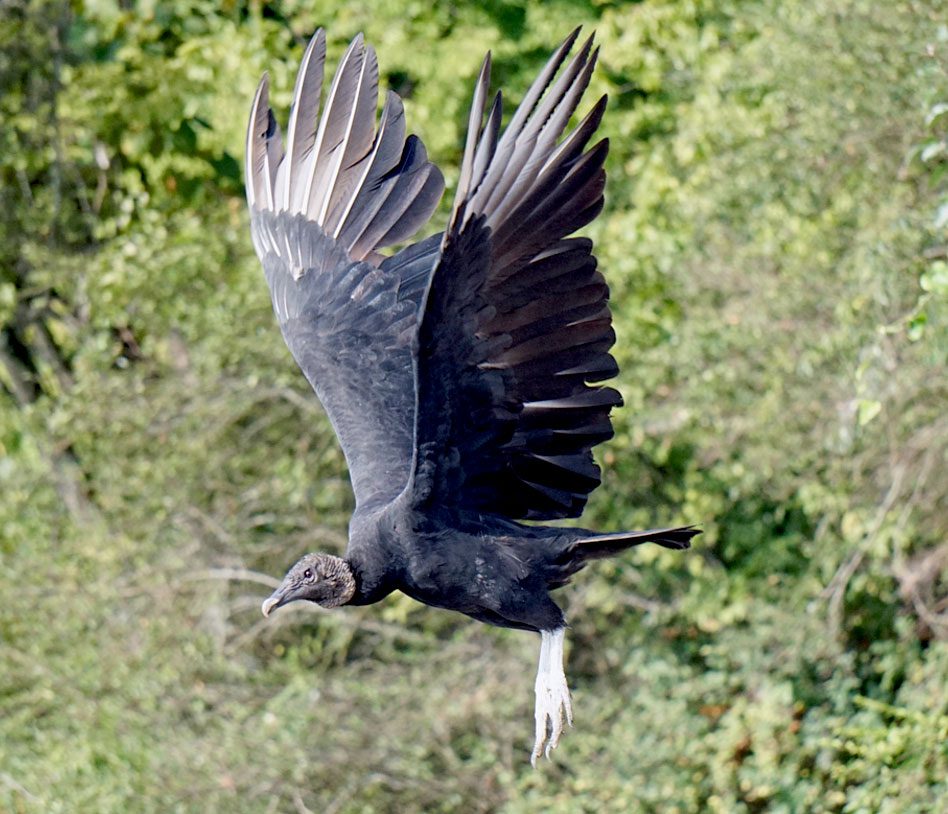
pixel 275 600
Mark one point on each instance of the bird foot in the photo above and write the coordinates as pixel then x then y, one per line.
pixel 552 695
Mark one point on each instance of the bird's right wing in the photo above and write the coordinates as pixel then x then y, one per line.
pixel 319 213
pixel 516 332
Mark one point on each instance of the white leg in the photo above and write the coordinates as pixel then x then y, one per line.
pixel 552 702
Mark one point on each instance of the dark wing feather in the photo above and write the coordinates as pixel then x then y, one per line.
pixel 319 215
pixel 516 328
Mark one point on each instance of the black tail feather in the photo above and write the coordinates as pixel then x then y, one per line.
pixel 599 546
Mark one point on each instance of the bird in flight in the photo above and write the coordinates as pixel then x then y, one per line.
pixel 462 374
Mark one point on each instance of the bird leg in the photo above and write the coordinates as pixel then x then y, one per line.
pixel 552 702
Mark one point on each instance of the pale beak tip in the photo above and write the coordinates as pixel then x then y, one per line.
pixel 269 604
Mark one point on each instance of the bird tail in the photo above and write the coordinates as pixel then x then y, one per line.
pixel 599 546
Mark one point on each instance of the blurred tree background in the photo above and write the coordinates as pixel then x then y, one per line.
pixel 776 237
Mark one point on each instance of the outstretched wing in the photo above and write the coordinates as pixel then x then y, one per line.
pixel 516 327
pixel 319 213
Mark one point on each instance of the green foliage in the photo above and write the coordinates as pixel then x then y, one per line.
pixel 775 238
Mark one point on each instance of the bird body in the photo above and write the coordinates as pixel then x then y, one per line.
pixel 462 374
pixel 494 570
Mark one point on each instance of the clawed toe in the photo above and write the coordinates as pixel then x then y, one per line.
pixel 552 709
pixel 552 696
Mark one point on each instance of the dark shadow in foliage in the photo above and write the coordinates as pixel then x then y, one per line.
pixel 760 535
pixel 510 18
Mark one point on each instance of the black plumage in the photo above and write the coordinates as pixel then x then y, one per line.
pixel 463 373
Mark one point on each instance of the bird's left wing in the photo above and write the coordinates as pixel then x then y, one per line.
pixel 516 328
pixel 319 213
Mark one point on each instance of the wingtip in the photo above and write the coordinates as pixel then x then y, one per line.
pixel 318 40
pixel 262 96
pixel 483 78
pixel 586 48
pixel 497 104
pixel 595 154
pixel 315 47
pixel 571 38
pixel 260 102
pixel 358 42
pixel 393 106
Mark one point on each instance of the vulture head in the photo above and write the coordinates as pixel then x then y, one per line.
pixel 320 578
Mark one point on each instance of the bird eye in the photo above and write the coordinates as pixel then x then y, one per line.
pixel 307 574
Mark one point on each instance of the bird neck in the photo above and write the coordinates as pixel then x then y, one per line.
pixel 340 575
pixel 371 583
pixel 373 554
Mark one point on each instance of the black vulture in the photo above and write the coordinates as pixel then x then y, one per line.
pixel 462 374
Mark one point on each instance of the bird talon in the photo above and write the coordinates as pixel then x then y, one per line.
pixel 552 696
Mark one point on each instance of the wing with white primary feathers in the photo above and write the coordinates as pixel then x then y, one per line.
pixel 320 212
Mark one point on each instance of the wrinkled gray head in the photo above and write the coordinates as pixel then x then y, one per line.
pixel 320 578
